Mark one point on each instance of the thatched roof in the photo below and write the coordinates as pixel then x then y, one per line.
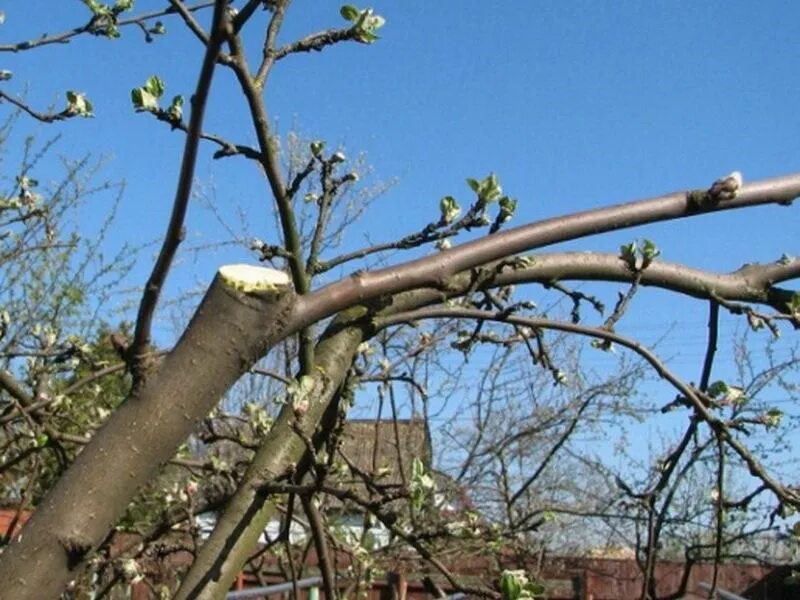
pixel 386 447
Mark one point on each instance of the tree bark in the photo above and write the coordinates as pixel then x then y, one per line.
pixel 240 317
pixel 247 514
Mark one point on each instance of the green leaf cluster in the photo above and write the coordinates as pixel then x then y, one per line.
pixel 365 22
pixel 487 189
pixel 421 486
pixel 515 585
pixel 145 99
pixel 175 109
pixel 105 17
pixel 772 418
pixel 730 394
pixel 639 257
pixel 79 105
pixel 449 208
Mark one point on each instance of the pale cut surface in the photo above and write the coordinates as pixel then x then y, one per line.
pixel 250 278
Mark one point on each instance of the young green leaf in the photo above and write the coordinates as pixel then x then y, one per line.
pixel 365 23
pixel 154 86
pixel 717 389
pixel 627 252
pixel 488 189
pixel 175 110
pixel 349 12
pixel 96 7
pixel 79 104
pixel 507 208
pixel 772 418
pixel 143 100
pixel 649 252
pixel 122 6
pixel 449 208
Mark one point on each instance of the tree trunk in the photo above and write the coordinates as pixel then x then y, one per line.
pixel 240 318
pixel 247 514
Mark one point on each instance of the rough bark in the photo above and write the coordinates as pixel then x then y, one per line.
pixel 236 323
pixel 246 516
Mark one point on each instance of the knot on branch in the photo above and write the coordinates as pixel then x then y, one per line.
pixel 76 546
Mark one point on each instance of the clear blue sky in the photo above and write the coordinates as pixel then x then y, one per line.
pixel 573 104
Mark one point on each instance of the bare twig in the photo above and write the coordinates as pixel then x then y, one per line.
pixel 695 397
pixel 49 117
pixel 66 36
pixel 226 148
pixel 175 234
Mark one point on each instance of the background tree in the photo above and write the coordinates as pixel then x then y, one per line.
pixel 248 311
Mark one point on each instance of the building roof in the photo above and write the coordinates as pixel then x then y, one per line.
pixel 386 449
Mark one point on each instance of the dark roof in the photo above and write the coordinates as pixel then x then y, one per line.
pixel 377 446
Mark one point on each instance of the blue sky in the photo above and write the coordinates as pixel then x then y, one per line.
pixel 573 104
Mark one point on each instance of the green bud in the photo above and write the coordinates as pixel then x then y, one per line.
pixel 175 109
pixel 349 12
pixel 316 148
pixel 449 208
pixel 78 104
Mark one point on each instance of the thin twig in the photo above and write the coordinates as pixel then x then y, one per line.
pixel 66 36
pixel 694 396
pixel 175 234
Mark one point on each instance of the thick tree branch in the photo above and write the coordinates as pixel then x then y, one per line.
pixel 437 270
pixel 240 317
pixel 237 529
